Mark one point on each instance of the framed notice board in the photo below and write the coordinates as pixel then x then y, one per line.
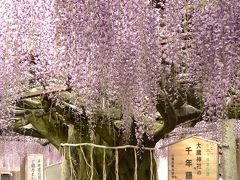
pixel 193 158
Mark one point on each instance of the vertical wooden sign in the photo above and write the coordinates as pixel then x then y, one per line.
pixel 34 167
pixel 193 159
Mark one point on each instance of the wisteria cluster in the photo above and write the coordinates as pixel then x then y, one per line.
pixel 214 53
pixel 13 152
pixel 111 52
pixel 108 52
pixel 12 69
pixel 173 33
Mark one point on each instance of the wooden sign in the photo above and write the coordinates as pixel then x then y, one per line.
pixel 34 167
pixel 193 158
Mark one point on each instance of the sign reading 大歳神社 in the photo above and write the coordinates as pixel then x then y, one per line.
pixel 193 159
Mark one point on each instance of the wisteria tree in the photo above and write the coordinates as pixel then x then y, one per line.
pixel 114 72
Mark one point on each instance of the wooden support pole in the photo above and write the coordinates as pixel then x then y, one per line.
pixel 229 156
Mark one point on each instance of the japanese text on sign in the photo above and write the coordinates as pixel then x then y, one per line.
pixel 193 159
pixel 34 167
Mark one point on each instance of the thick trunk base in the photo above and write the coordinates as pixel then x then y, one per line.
pixel 88 163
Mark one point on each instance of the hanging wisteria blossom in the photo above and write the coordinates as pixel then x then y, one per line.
pixel 106 51
pixel 214 52
pixel 111 53
pixel 117 72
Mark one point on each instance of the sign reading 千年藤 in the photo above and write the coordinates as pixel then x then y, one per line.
pixel 193 158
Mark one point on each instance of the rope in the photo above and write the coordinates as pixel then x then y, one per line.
pixel 151 165
pixel 85 159
pixel 104 165
pixel 109 147
pixel 116 148
pixel 62 150
pixel 116 164
pixel 70 161
pixel 130 146
pixel 92 168
pixel 135 169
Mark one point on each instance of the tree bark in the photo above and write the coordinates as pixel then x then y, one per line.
pixel 81 162
pixel 92 163
pixel 61 125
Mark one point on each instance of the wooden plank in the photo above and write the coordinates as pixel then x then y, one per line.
pixel 193 159
pixel 39 92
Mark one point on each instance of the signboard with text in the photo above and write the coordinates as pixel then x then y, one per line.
pixel 193 159
pixel 34 167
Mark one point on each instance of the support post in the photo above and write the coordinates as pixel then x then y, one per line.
pixel 229 153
